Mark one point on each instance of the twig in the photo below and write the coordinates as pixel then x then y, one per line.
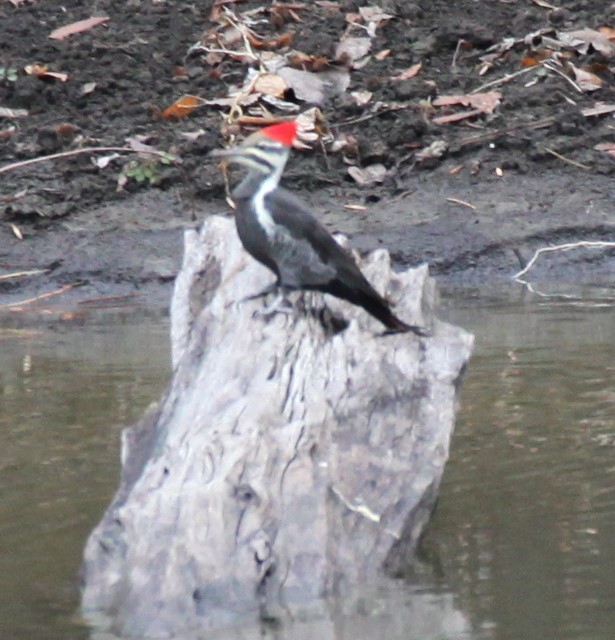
pixel 57 292
pixel 546 65
pixel 568 160
pixel 22 274
pixel 75 152
pixel 588 244
pixel 463 203
pixel 507 78
pixel 457 48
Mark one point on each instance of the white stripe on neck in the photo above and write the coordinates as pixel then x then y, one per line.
pixel 262 214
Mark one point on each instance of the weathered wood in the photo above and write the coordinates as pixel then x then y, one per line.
pixel 284 462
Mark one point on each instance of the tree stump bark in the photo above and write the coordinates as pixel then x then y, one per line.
pixel 286 461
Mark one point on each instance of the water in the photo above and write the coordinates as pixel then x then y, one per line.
pixel 522 544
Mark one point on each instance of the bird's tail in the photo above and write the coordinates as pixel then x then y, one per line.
pixel 379 308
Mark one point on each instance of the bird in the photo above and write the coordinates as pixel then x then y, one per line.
pixel 278 229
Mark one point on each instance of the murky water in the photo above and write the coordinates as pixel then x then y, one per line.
pixel 523 542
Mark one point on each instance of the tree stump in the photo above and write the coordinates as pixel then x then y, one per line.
pixel 287 460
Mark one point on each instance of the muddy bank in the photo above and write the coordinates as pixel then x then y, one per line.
pixel 133 248
pixel 528 170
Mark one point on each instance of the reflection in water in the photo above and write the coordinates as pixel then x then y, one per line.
pixel 65 392
pixel 527 510
pixel 521 545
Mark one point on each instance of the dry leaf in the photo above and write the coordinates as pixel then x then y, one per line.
pixel 374 14
pixel 77 27
pixel 16 231
pixel 352 49
pixel 40 71
pixel 87 88
pixel 436 149
pixel 182 107
pixel 609 147
pixel 609 32
pixel 582 39
pixel 535 57
pixel 483 102
pixel 545 5
pixel 13 113
pixel 102 162
pixel 381 55
pixel 355 207
pixel 586 80
pixel 270 84
pixel 369 175
pixel 361 97
pixel 456 117
pixel 410 72
pixel 315 87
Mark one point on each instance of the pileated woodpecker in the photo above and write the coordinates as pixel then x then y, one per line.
pixel 278 229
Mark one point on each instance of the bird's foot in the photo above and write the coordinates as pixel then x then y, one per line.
pixel 280 305
pixel 270 288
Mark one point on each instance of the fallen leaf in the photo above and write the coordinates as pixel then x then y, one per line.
pixel 436 149
pixel 609 147
pixel 410 72
pixel 545 5
pixel 374 14
pixel 13 113
pixel 499 172
pixel 368 175
pixel 87 88
pixel 361 97
pixel 483 102
pixel 102 162
pixel 77 27
pixel 181 107
pixel 351 50
pixel 381 55
pixel 609 32
pixel 16 231
pixel 280 42
pixel 536 57
pixel 315 88
pixel 355 207
pixel 586 80
pixel 582 39
pixel 599 110
pixel 456 117
pixel 40 71
pixel 270 84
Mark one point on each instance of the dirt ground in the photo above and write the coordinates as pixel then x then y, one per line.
pixel 519 174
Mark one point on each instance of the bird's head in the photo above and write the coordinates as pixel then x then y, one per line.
pixel 265 151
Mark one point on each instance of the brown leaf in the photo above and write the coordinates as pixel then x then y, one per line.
pixel 482 102
pixel 410 72
pixel 77 27
pixel 609 147
pixel 535 57
pixel 40 71
pixel 270 84
pixel 582 39
pixel 455 117
pixel 609 32
pixel 181 107
pixel 280 42
pixel 586 80
pixel 381 55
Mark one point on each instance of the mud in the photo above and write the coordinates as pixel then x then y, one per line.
pixel 523 177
